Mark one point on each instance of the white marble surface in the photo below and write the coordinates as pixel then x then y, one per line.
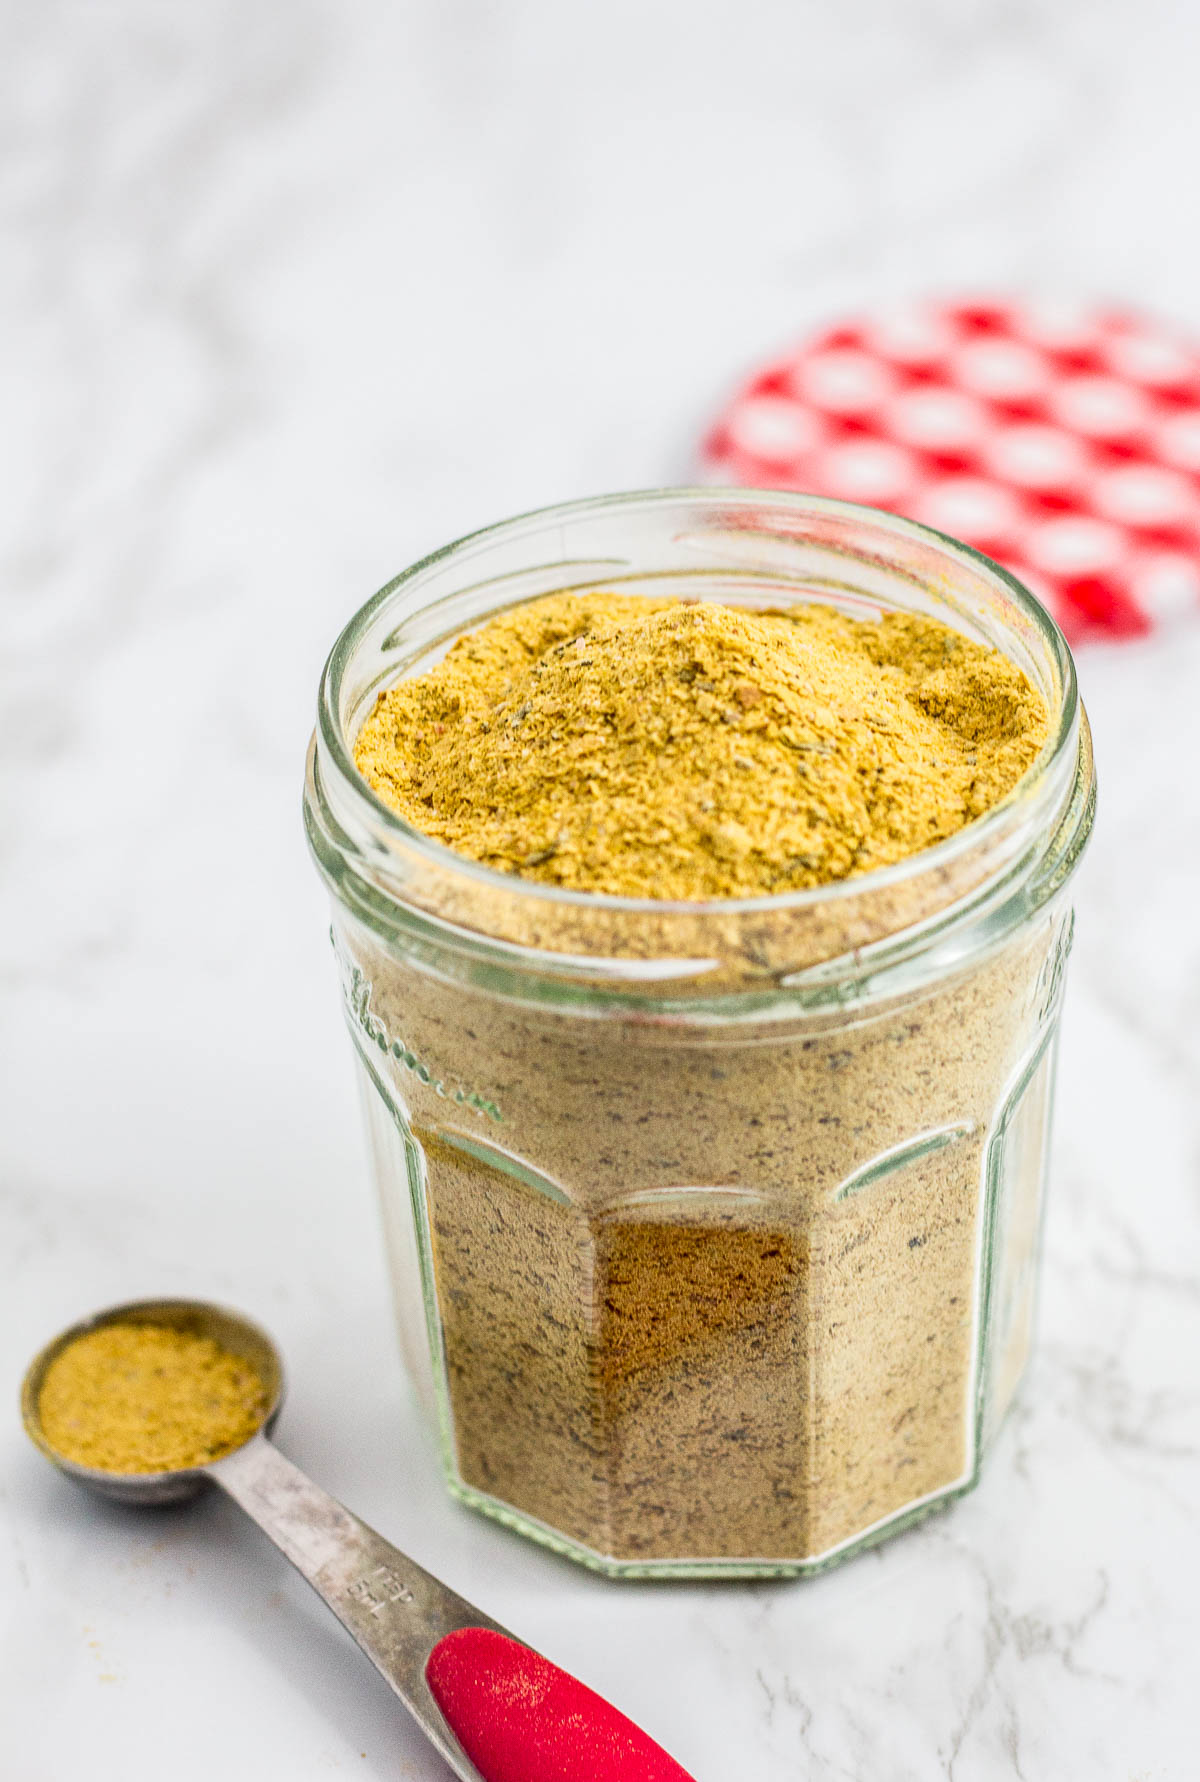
pixel 293 293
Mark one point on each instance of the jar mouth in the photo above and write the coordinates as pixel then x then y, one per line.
pixel 750 536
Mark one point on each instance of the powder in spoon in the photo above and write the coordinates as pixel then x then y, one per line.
pixel 147 1398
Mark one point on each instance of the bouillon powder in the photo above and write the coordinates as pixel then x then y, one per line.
pixel 146 1398
pixel 610 743
pixel 707 1289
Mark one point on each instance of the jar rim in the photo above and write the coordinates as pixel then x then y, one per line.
pixel 1042 791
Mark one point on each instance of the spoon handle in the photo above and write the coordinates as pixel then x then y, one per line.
pixel 497 1711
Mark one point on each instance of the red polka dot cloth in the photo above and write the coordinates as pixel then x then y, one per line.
pixel 1065 444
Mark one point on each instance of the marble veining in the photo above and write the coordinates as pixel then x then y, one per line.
pixel 291 295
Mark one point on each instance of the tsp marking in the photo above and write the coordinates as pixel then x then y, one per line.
pixel 379 1589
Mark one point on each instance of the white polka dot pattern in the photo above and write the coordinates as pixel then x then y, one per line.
pixel 1063 442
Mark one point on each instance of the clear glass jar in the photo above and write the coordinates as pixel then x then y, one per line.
pixel 713 1227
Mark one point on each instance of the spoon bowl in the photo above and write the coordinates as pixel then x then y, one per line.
pixel 230 1330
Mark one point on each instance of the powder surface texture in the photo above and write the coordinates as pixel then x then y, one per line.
pixel 611 743
pixel 146 1398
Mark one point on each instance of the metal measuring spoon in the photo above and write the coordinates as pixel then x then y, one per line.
pixel 496 1710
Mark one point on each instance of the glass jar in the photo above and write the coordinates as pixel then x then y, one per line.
pixel 713 1227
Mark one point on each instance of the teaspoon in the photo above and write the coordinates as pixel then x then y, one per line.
pixel 495 1709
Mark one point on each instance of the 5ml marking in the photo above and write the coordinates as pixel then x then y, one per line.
pixel 379 1589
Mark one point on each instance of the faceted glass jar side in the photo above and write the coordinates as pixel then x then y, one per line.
pixel 705 1269
pixel 671 1322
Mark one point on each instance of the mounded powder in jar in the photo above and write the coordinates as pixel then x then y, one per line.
pixel 709 1291
pixel 685 750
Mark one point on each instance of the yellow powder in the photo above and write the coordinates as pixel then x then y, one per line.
pixel 645 748
pixel 145 1398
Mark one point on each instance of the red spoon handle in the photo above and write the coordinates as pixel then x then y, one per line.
pixel 520 1719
